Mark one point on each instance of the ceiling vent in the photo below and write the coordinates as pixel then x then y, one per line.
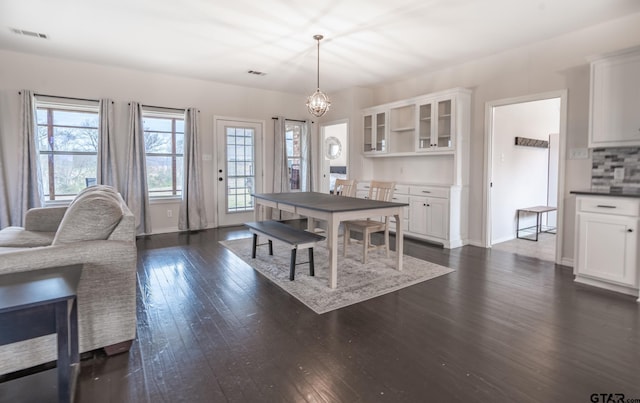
pixel 29 33
pixel 256 73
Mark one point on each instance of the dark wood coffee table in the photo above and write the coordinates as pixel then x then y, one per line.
pixel 41 302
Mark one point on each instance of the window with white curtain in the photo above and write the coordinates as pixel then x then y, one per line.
pixel 293 131
pixel 67 144
pixel 164 147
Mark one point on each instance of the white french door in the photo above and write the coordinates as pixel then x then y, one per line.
pixel 239 169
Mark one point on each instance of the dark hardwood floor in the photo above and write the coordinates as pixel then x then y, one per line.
pixel 501 328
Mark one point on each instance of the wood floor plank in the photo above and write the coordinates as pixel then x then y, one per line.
pixel 501 328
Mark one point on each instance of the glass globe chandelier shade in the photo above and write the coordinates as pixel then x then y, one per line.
pixel 318 103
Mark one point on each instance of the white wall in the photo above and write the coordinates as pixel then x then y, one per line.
pixel 555 64
pixel 520 173
pixel 75 79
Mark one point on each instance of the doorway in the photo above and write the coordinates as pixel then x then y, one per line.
pixel 335 153
pixel 239 165
pixel 525 139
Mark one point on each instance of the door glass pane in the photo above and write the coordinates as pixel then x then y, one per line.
pixel 240 169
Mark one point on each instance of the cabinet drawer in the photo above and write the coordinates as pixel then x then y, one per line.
pixel 609 205
pixel 399 198
pixel 401 189
pixel 363 185
pixel 429 191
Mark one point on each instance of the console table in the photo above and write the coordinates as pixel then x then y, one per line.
pixel 40 302
pixel 538 228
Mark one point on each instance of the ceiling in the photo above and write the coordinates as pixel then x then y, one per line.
pixel 367 42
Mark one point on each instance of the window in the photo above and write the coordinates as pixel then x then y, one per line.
pixel 293 132
pixel 68 147
pixel 240 168
pixel 164 146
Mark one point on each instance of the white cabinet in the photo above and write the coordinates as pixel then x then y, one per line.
pixel 615 100
pixel 432 123
pixel 375 131
pixel 436 126
pixel 428 217
pixel 607 242
pixel 431 214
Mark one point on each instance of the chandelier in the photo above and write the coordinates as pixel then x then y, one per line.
pixel 318 103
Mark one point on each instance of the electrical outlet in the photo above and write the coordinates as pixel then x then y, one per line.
pixel 169 213
pixel 578 153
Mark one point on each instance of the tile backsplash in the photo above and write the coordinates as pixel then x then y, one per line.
pixel 604 163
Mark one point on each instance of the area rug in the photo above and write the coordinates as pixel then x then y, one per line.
pixel 356 282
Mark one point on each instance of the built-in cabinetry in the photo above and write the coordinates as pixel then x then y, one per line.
pixel 375 131
pixel 606 249
pixel 615 100
pixel 424 125
pixel 432 213
pixel 428 138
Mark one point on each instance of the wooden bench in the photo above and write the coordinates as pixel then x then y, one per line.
pixel 294 237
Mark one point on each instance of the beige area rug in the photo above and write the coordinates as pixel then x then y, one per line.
pixel 356 282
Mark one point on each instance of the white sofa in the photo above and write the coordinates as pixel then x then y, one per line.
pixel 97 230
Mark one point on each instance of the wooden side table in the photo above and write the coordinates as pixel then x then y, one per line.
pixel 41 302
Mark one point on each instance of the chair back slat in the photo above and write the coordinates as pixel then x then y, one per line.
pixel 345 187
pixel 382 191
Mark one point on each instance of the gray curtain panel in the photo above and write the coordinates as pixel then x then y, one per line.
pixel 280 169
pixel 136 192
pixel 107 171
pixel 306 168
pixel 5 213
pixel 29 174
pixel 192 214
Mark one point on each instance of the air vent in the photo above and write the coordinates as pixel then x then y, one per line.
pixel 29 33
pixel 256 73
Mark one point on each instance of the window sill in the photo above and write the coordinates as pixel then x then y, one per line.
pixel 165 200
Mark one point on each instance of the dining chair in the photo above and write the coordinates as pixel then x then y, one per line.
pixel 382 191
pixel 345 187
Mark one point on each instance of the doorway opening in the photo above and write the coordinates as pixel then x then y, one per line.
pixel 335 153
pixel 526 137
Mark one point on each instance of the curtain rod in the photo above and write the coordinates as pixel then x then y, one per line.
pixel 58 96
pixel 164 107
pixel 293 120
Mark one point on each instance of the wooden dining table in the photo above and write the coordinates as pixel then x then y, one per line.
pixel 332 209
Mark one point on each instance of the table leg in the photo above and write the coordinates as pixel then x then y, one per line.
pixel 311 224
pixel 399 240
pixel 63 364
pixel 74 349
pixel 332 243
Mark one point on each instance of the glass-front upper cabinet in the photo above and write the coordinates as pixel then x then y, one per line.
pixel 375 132
pixel 436 125
pixel 445 125
pixel 425 127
